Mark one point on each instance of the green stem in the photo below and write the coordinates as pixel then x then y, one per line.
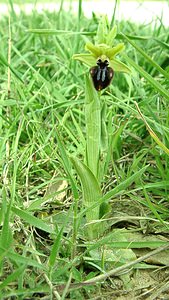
pixel 93 136
pixel 93 127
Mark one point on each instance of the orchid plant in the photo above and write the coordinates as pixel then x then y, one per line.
pixel 103 64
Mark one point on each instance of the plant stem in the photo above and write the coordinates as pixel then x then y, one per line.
pixel 93 128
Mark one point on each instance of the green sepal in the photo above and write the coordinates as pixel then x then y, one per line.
pixel 90 61
pixel 85 58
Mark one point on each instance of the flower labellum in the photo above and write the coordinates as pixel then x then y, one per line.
pixel 101 74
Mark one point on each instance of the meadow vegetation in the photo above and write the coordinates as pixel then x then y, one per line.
pixel 45 251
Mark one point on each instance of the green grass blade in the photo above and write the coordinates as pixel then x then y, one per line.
pixel 153 209
pixel 12 277
pixel 124 185
pixel 163 44
pixel 152 133
pixel 57 243
pixel 6 234
pixel 59 32
pixel 21 259
pixel 4 62
pixel 149 78
pixel 145 55
pixel 67 166
pixel 32 220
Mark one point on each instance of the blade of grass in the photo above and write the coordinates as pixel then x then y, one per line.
pixel 149 78
pixel 67 167
pixel 152 133
pixel 32 220
pixel 62 32
pixel 21 259
pixel 4 62
pixel 146 56
pixel 57 243
pixel 124 185
pixel 12 277
pixel 153 209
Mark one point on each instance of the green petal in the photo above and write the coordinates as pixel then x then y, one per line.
pixel 95 50
pixel 85 58
pixel 118 66
pixel 111 52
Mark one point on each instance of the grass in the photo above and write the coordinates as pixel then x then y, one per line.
pixel 44 252
pixel 34 1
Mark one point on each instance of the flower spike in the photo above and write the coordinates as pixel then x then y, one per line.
pixel 101 58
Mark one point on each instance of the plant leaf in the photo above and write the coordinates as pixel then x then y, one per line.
pixel 32 220
pixel 91 194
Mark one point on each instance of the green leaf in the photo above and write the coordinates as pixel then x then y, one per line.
pixel 76 274
pixel 32 220
pixel 59 32
pixel 119 189
pixel 55 248
pixel 163 44
pixel 4 62
pixel 91 194
pixel 152 133
pixel 6 235
pixel 104 135
pixel 67 166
